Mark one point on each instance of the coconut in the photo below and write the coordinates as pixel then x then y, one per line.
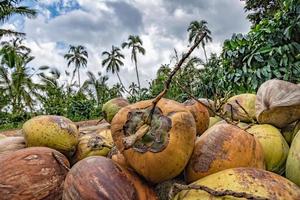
pixel 200 114
pixel 270 138
pixel 290 131
pixel 292 171
pixel 2 136
pixel 278 103
pixel 209 103
pixel 236 110
pixel 9 144
pixel 214 120
pixel 249 183
pixel 32 173
pixel 110 108
pixel 94 144
pixel 120 159
pixel 51 131
pixel 221 147
pixel 97 177
pixel 163 143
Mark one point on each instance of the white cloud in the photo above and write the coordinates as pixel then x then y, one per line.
pixel 99 24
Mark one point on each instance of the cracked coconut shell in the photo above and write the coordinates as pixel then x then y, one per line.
pixel 32 173
pixel 278 103
pixel 168 141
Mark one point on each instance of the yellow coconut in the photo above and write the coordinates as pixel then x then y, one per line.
pixel 94 144
pixel 278 103
pixel 223 146
pixel 246 101
pixel 255 183
pixel 51 131
pixel 290 131
pixel 164 142
pixel 292 170
pixel 274 146
pixel 113 106
pixel 214 120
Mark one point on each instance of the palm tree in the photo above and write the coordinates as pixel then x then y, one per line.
pixel 16 80
pixel 77 55
pixel 112 62
pixel 97 87
pixel 136 45
pixel 9 8
pixel 196 29
pixel 133 89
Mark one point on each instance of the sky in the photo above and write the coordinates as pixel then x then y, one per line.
pixel 99 24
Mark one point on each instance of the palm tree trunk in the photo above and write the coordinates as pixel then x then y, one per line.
pixel 203 47
pixel 120 79
pixel 122 84
pixel 137 75
pixel 78 77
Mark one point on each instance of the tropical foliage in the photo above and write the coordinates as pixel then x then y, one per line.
pixel 270 50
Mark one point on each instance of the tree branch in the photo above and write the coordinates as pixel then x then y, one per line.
pixel 172 74
pixel 213 192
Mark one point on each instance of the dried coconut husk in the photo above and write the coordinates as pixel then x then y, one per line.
pixel 10 144
pixel 278 103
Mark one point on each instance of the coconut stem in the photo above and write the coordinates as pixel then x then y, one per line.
pixel 172 74
pixel 245 111
pixel 213 192
pixel 60 161
pixel 131 140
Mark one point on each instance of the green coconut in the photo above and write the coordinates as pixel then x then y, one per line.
pixel 290 131
pixel 236 110
pixel 52 131
pixel 112 107
pixel 292 170
pixel 251 183
pixel 274 146
pixel 278 103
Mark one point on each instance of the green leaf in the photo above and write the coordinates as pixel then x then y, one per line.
pixel 259 58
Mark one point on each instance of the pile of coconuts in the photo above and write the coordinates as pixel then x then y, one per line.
pixel 248 149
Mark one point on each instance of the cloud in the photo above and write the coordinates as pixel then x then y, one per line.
pixel 97 25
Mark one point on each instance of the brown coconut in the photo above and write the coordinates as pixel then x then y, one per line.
pixel 167 142
pixel 209 103
pixel 278 103
pixel 234 109
pixel 32 173
pixel 200 114
pixel 9 144
pixel 98 177
pixel 223 146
